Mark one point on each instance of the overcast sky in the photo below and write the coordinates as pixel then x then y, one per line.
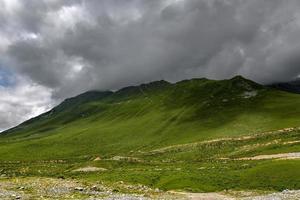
pixel 53 49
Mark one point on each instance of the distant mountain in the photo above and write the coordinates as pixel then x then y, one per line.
pixel 292 86
pixel 149 116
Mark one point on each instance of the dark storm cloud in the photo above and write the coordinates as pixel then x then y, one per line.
pixel 79 45
pixel 75 45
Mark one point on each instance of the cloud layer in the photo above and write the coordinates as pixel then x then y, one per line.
pixel 22 101
pixel 67 47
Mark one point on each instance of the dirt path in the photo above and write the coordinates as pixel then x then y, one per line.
pixel 284 156
pixel 246 137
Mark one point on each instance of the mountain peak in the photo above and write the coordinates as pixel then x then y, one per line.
pixel 239 78
pixel 155 84
pixel 245 83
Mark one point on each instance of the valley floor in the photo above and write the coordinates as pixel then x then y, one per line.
pixel 262 166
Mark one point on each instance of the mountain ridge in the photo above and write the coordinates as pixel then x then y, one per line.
pixel 94 95
pixel 291 86
pixel 156 115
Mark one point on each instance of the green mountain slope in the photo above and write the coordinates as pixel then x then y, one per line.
pixel 150 116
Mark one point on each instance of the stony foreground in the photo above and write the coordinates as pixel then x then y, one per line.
pixel 48 188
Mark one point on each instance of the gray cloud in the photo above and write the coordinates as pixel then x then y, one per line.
pixel 22 101
pixel 72 46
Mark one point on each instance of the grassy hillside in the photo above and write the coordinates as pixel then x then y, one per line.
pixel 151 116
pixel 196 135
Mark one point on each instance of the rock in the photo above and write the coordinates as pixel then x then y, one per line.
pixel 61 177
pixel 79 189
pixel 97 159
pixel 94 188
pixel 115 190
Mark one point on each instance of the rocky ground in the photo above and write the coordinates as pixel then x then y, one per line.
pixel 48 188
pixel 284 195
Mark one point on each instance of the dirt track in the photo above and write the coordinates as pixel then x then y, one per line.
pixel 285 156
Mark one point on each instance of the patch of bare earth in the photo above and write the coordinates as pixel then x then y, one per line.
pixel 284 156
pixel 125 158
pixel 207 196
pixel 89 169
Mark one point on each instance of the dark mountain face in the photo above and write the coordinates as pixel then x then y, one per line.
pixel 293 86
pixel 86 97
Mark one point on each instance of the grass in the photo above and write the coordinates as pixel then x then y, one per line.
pixel 139 122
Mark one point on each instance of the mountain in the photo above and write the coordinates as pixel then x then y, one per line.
pixel 292 86
pixel 195 135
pixel 151 116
